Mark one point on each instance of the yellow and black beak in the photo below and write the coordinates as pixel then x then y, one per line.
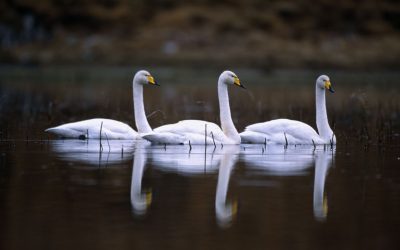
pixel 328 86
pixel 150 80
pixel 237 82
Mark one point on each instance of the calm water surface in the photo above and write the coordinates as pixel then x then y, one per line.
pixel 65 194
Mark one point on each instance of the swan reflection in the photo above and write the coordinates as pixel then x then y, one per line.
pixel 294 161
pixel 90 152
pixel 181 160
pixel 184 159
pixel 224 211
pixel 323 162
pixel 278 160
pixel 140 201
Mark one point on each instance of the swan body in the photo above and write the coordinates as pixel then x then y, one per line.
pixel 285 131
pixel 274 131
pixel 189 130
pixel 110 129
pixel 202 132
pixel 90 129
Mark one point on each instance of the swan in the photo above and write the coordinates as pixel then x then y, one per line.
pixel 285 131
pixel 90 129
pixel 194 131
pixel 110 129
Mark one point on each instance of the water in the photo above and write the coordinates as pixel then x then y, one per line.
pixel 68 194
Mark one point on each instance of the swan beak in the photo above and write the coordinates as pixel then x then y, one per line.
pixel 237 83
pixel 151 80
pixel 328 86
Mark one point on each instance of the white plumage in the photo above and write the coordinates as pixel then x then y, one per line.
pixel 111 129
pixel 285 131
pixel 90 129
pixel 200 132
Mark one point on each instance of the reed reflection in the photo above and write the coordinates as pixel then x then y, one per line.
pixel 93 152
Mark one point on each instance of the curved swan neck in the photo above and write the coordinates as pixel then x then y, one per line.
pixel 225 112
pixel 324 129
pixel 140 115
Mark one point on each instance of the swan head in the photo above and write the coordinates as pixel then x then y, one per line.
pixel 228 77
pixel 324 82
pixel 143 77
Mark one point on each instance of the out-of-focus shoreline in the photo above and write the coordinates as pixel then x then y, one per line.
pixel 264 34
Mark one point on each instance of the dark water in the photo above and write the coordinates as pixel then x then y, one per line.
pixel 66 194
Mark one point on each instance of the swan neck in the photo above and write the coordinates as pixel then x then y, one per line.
pixel 324 129
pixel 225 113
pixel 138 105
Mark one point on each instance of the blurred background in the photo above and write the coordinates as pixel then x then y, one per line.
pixel 68 60
pixel 264 34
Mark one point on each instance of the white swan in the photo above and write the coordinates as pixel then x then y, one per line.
pixel 90 129
pixel 194 131
pixel 110 129
pixel 282 131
